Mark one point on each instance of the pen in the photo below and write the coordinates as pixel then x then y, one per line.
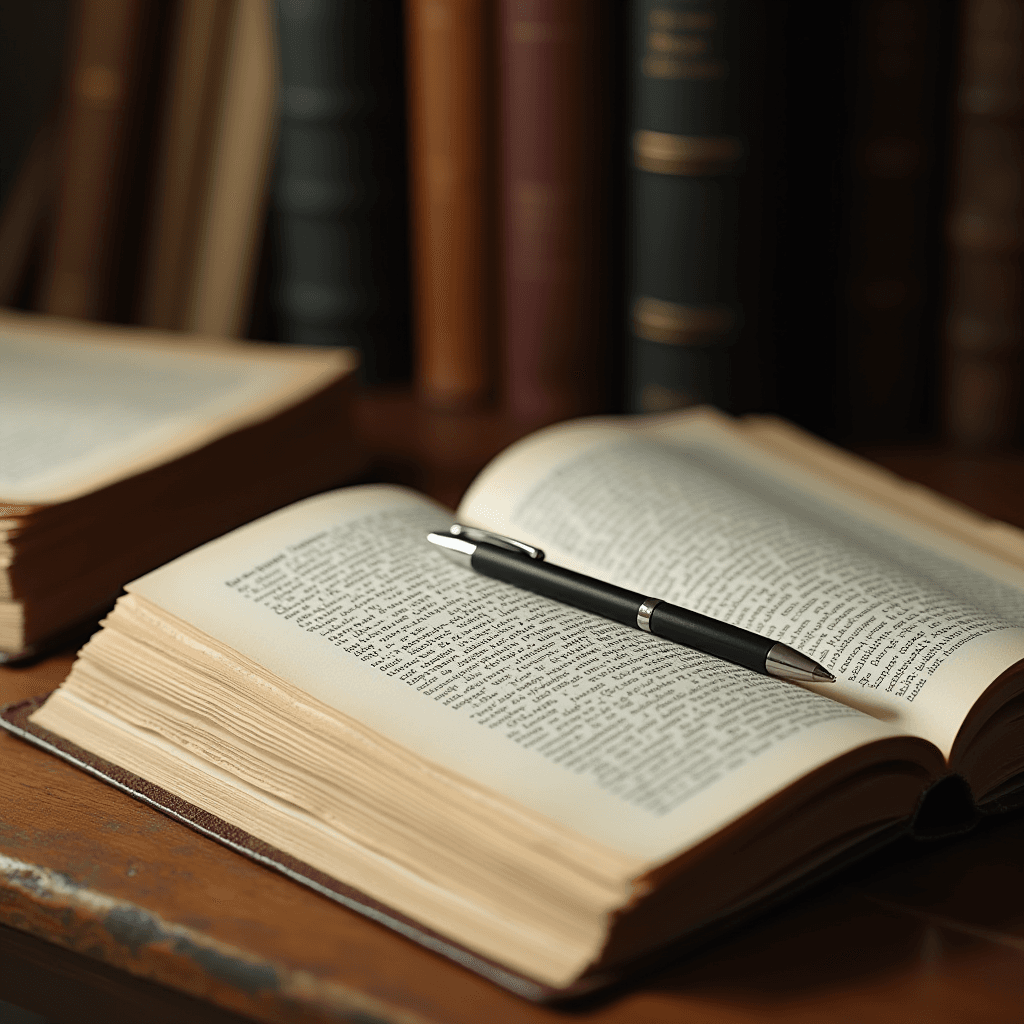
pixel 524 566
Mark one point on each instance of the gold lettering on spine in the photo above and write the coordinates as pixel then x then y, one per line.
pixel 663 153
pixel 673 324
pixel 675 49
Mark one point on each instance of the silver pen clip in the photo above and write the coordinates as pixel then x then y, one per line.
pixel 475 534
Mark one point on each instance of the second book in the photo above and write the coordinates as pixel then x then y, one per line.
pixel 509 149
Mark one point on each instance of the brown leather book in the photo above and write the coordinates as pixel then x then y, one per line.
pixel 235 191
pixel 893 209
pixel 986 230
pixel 552 209
pixel 103 86
pixel 450 117
pixel 183 162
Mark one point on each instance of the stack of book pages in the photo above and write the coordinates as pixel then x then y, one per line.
pixel 120 449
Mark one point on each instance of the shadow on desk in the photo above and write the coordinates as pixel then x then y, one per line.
pixel 919 932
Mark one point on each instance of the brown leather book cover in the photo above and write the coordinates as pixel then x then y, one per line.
pixel 893 207
pixel 985 228
pixel 235 187
pixel 448 45
pixel 102 94
pixel 553 209
pixel 184 155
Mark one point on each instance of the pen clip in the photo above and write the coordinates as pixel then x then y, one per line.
pixel 478 536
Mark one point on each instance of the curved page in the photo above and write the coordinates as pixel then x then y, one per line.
pixel 637 743
pixel 914 623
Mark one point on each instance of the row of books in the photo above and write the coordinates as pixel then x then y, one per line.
pixel 565 206
pixel 140 195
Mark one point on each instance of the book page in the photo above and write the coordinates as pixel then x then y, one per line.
pixel 78 414
pixel 638 743
pixel 914 624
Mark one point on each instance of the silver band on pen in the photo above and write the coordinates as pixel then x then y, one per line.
pixel 643 613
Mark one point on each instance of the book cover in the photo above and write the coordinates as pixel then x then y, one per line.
pixel 985 230
pixel 105 94
pixel 183 160
pixel 554 206
pixel 338 193
pixel 687 150
pixel 451 170
pixel 233 196
pixel 889 355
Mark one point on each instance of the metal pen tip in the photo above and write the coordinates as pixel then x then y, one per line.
pixel 792 666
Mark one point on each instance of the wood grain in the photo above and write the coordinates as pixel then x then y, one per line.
pixel 95 887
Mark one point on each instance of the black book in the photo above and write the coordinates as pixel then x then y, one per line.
pixel 687 152
pixel 340 187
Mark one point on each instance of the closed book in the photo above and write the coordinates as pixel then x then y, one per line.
pixel 218 294
pixel 889 352
pixel 32 62
pixel 183 162
pixel 339 190
pixel 451 141
pixel 985 231
pixel 103 94
pixel 555 218
pixel 687 149
pixel 120 448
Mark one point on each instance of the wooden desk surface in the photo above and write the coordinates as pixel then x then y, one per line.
pixel 103 902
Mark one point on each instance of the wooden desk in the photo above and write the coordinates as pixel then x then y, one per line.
pixel 104 901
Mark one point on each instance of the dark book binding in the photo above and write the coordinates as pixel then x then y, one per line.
pixel 90 264
pixel 554 208
pixel 339 191
pixel 687 151
pixel 985 231
pixel 887 365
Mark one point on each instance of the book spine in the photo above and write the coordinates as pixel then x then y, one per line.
pixel 893 232
pixel 687 150
pixel 338 178
pixel 985 230
pixel 234 190
pixel 77 273
pixel 200 35
pixel 553 208
pixel 450 92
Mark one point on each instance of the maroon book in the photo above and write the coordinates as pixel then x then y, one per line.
pixel 552 206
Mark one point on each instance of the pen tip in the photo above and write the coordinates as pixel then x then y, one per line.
pixel 823 675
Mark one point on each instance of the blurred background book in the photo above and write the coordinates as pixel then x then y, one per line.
pixel 544 208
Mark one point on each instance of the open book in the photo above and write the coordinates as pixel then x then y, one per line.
pixel 121 448
pixel 543 794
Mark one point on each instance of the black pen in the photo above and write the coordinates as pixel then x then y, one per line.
pixel 524 566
